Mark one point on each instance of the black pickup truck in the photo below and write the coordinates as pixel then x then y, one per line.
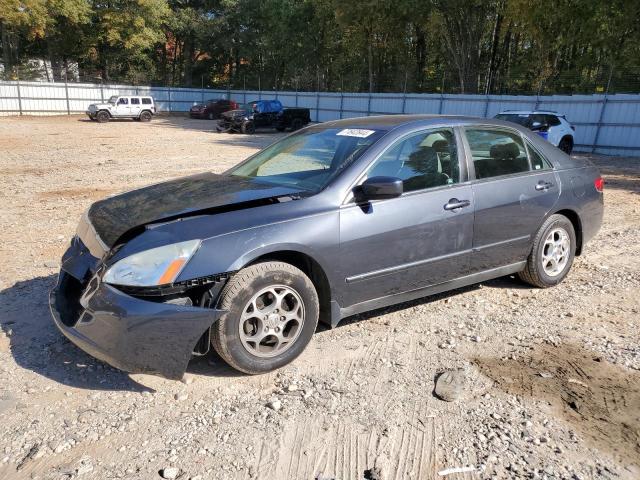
pixel 263 114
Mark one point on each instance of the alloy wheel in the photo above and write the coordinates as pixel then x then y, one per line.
pixel 556 251
pixel 271 321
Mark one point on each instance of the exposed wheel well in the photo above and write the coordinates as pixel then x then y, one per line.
pixel 313 270
pixel 577 226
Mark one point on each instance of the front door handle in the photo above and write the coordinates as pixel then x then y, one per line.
pixel 542 185
pixel 454 204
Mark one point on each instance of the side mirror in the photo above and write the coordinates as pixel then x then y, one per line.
pixel 539 127
pixel 379 188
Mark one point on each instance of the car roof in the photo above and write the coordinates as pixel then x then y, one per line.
pixel 390 122
pixel 529 112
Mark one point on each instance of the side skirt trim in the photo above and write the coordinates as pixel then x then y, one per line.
pixel 465 281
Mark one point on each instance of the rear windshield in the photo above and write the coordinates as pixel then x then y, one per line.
pixel 310 159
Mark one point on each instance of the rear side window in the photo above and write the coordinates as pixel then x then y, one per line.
pixel 146 101
pixel 538 162
pixel 425 160
pixel 496 152
pixel 135 101
pixel 552 120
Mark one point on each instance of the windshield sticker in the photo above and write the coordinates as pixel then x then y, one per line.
pixel 355 132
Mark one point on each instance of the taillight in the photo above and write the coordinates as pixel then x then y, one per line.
pixel 599 184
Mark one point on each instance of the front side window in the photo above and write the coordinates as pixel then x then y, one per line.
pixel 309 159
pixel 496 152
pixel 123 101
pixel 423 160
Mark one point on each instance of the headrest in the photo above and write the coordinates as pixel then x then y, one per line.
pixel 503 151
pixel 441 145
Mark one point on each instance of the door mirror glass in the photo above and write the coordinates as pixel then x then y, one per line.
pixel 378 188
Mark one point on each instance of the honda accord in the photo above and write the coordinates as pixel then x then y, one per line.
pixel 333 220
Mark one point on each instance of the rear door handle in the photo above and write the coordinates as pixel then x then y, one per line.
pixel 454 204
pixel 542 185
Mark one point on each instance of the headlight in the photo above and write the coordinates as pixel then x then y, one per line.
pixel 158 266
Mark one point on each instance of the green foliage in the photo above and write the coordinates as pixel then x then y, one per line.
pixel 475 46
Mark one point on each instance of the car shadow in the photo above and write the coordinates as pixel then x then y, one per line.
pixel 510 282
pixel 36 344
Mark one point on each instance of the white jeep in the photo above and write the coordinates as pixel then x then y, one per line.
pixel 118 106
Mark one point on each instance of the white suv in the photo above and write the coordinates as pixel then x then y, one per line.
pixel 549 125
pixel 138 108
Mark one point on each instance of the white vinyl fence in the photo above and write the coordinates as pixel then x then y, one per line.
pixel 608 124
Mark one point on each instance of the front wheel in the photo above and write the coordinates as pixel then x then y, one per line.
pixel 102 116
pixel 272 313
pixel 551 257
pixel 248 127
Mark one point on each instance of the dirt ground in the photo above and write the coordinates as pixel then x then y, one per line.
pixel 553 381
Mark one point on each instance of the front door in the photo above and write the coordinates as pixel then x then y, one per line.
pixel 122 107
pixel 514 189
pixel 419 239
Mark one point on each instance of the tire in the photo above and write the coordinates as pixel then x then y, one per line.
pixel 296 124
pixel 535 272
pixel 236 298
pixel 248 127
pixel 102 116
pixel 145 116
pixel 566 145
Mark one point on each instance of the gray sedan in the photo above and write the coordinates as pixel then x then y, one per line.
pixel 333 220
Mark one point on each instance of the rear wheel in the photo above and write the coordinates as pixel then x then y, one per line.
pixel 102 116
pixel 248 128
pixel 551 257
pixel 145 116
pixel 272 313
pixel 296 124
pixel 566 145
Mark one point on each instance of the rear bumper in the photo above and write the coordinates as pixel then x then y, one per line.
pixel 134 335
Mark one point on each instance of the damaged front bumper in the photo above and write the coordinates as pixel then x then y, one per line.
pixel 129 333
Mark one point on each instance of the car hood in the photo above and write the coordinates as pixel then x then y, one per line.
pixel 239 113
pixel 100 105
pixel 206 193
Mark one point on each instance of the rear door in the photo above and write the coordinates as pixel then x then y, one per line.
pixel 514 188
pixel 415 240
pixel 135 106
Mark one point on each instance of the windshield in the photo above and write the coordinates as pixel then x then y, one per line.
pixel 310 159
pixel 521 119
pixel 113 99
